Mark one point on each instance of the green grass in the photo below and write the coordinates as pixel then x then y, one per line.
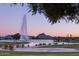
pixel 75 46
pixel 13 53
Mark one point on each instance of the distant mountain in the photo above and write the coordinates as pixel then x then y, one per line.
pixel 17 36
pixel 43 36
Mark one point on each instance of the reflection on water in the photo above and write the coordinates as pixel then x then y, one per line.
pixel 46 50
pixel 43 49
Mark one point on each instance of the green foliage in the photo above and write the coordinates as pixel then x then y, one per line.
pixel 56 11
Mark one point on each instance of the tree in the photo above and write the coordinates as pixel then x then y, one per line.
pixel 16 36
pixel 56 11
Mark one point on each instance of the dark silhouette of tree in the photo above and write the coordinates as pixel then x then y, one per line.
pixel 55 11
pixel 16 36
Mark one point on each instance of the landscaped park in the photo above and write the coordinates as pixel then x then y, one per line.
pixel 59 40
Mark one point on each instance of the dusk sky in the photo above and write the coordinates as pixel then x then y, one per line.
pixel 11 21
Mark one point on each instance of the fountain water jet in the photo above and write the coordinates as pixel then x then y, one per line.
pixel 23 32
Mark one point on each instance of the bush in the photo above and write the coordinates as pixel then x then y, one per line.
pixel 44 43
pixel 5 46
pixel 49 44
pixel 28 46
pixel 36 45
pixel 11 47
pixel 22 45
pixel 40 44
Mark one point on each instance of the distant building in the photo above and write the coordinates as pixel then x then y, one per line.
pixel 40 42
pixel 41 39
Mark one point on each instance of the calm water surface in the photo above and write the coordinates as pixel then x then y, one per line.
pixel 46 50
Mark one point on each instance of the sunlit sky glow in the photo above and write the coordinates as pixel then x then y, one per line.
pixel 11 20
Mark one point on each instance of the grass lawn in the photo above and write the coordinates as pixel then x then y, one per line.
pixel 13 53
pixel 75 46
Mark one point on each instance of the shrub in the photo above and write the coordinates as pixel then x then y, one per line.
pixel 22 45
pixel 5 46
pixel 11 47
pixel 40 44
pixel 28 46
pixel 44 43
pixel 36 45
pixel 49 44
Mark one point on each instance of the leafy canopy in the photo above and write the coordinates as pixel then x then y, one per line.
pixel 56 11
